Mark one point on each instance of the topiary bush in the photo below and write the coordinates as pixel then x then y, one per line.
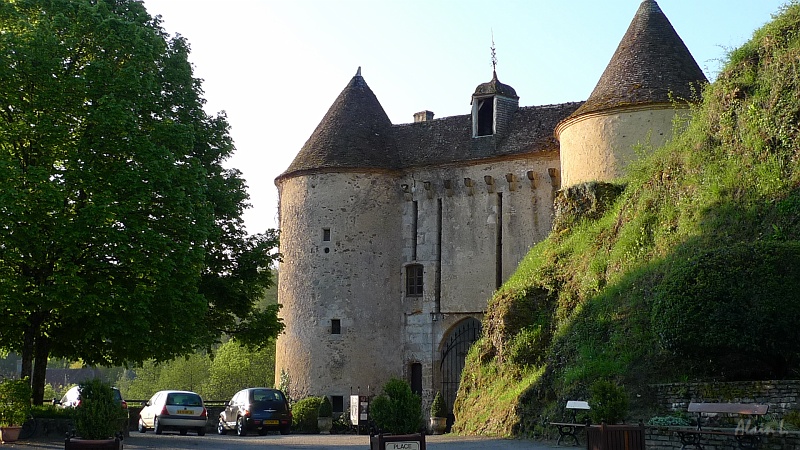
pixel 733 305
pixel 397 410
pixel 304 415
pixel 325 407
pixel 609 402
pixel 99 415
pixel 437 407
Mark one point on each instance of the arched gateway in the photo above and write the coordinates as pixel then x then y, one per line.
pixel 455 346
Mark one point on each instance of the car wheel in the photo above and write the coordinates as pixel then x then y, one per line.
pixel 201 431
pixel 183 431
pixel 241 427
pixel 157 426
pixel 141 427
pixel 221 427
pixel 285 430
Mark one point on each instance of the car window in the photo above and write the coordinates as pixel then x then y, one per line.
pixel 184 399
pixel 264 395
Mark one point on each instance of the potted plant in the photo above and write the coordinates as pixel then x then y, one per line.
pixel 15 406
pixel 97 418
pixel 325 415
pixel 438 419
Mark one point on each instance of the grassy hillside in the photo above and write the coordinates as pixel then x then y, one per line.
pixel 692 272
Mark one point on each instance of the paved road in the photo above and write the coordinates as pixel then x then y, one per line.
pixel 296 441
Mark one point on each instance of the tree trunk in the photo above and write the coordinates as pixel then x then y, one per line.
pixel 40 369
pixel 27 353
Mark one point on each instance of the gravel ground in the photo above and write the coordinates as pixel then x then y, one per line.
pixel 297 441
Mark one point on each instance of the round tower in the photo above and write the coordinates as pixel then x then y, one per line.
pixel 650 79
pixel 339 206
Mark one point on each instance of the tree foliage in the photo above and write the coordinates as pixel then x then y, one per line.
pixel 122 237
pixel 397 410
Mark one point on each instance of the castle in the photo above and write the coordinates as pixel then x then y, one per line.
pixel 394 236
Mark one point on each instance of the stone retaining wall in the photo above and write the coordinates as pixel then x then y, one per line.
pixel 782 396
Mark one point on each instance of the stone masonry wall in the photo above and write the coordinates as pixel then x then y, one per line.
pixel 781 396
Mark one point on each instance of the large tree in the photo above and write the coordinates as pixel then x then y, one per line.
pixel 121 236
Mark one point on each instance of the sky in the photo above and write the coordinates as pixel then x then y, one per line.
pixel 276 66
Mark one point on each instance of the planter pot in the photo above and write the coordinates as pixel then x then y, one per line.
pixel 9 434
pixel 325 424
pixel 92 444
pixel 438 425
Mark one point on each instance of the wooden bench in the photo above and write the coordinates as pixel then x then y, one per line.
pixel 571 427
pixel 747 437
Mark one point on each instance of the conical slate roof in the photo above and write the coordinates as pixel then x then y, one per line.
pixel 352 134
pixel 495 87
pixel 651 62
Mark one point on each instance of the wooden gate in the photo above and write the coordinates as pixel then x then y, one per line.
pixel 454 351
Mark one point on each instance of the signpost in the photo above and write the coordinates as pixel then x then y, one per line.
pixel 359 411
pixel 397 442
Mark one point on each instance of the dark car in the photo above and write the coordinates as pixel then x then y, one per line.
pixel 251 409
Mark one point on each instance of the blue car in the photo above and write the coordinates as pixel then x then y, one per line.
pixel 256 409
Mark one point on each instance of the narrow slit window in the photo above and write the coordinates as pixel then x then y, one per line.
pixel 336 326
pixel 326 235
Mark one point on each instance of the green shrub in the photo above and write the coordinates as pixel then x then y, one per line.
pixel 397 410
pixel 98 416
pixel 15 401
pixel 437 407
pixel 733 305
pixel 51 412
pixel 791 420
pixel 304 415
pixel 325 407
pixel 668 421
pixel 608 401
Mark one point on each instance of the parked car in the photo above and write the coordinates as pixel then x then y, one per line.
pixel 251 409
pixel 174 410
pixel 72 398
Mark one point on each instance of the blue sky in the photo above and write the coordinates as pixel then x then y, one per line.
pixel 276 66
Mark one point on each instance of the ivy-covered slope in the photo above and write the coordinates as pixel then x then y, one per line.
pixel 692 272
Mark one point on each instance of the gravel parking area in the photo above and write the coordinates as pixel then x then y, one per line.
pixel 297 441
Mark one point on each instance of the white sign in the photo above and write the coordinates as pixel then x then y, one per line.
pixel 402 445
pixel 354 409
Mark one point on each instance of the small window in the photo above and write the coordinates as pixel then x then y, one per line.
pixel 338 403
pixel 326 234
pixel 414 280
pixel 336 326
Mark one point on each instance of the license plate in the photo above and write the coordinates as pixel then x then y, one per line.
pixel 185 411
pixel 270 422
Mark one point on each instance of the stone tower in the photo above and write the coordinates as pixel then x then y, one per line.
pixel 649 80
pixel 395 236
pixel 339 280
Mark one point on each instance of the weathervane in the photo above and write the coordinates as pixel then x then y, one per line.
pixel 494 54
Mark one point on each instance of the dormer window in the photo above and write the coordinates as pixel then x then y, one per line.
pixel 483 115
pixel 493 106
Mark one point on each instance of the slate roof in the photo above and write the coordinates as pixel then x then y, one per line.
pixel 495 87
pixel 650 62
pixel 449 140
pixel 356 133
pixel 352 133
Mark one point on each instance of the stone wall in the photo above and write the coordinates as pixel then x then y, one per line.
pixel 781 396
pixel 600 146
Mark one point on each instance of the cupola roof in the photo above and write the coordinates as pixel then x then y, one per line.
pixel 352 134
pixel 495 87
pixel 651 65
